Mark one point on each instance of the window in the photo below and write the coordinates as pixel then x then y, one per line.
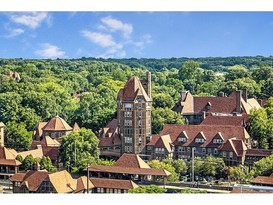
pixel 231 154
pixel 182 139
pixel 179 149
pixel 188 149
pixel 209 150
pixel 203 150
pixel 128 139
pixel 139 105
pixel 128 105
pixel 128 122
pixel 224 154
pixel 217 141
pixel 127 114
pixel 215 151
pixel 139 139
pixel 139 122
pixel 128 149
pixel 128 131
pixel 139 114
pixel 199 140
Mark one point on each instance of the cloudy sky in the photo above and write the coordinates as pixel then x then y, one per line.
pixel 135 34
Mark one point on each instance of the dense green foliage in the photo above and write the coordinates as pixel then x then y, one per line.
pixel 193 191
pixel 152 189
pixel 79 149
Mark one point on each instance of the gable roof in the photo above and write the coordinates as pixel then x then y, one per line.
pixel 63 182
pixel 36 153
pixel 153 139
pixel 209 131
pixel 57 124
pixel 38 130
pixel 164 141
pixel 185 103
pixel 132 161
pixel 113 183
pixel 32 179
pixel 76 127
pixel 82 184
pixel 133 88
pixel 250 104
pixel 237 146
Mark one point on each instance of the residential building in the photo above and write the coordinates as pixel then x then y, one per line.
pixel 195 108
pixel 109 141
pixel 2 127
pixel 254 155
pixel 134 104
pixel 8 164
pixel 56 127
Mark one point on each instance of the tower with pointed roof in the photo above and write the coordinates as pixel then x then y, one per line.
pixel 134 104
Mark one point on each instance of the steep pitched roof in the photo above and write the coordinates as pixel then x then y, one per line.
pixel 76 127
pixel 36 153
pixel 185 104
pixel 7 157
pixel 31 179
pixel 209 131
pixel 82 184
pixel 113 183
pixel 132 161
pixel 234 145
pixel 57 124
pixel 223 120
pixel 153 140
pixel 38 129
pixel 63 182
pixel 164 142
pixel 225 105
pixel 132 88
pixel 250 104
pixel 109 141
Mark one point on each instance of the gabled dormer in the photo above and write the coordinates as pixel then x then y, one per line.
pixel 183 137
pixel 208 106
pixel 200 138
pixel 218 138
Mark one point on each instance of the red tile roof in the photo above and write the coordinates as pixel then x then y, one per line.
pixel 132 88
pixel 259 152
pixel 131 161
pixel 154 139
pixel 209 131
pixel 225 105
pixel 32 179
pixel 263 180
pixel 109 141
pixel 237 146
pixel 113 183
pixel 57 124
pixel 223 120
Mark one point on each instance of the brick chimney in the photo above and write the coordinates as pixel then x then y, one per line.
pixel 238 101
pixel 245 94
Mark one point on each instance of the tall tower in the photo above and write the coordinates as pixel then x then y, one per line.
pixel 2 126
pixel 134 104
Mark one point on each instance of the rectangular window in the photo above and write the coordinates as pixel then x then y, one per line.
pixel 215 151
pixel 179 149
pixel 139 139
pixel 139 105
pixel 204 150
pixel 230 154
pixel 182 139
pixel 127 114
pixel 224 154
pixel 209 150
pixel 128 139
pixel 128 105
pixel 139 122
pixel 139 114
pixel 128 122
pixel 128 131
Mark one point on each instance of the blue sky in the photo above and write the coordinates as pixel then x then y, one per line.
pixel 135 34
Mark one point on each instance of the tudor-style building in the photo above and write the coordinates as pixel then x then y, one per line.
pixel 134 103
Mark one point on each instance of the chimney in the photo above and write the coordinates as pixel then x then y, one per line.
pixel 149 84
pixel 183 95
pixel 260 101
pixel 238 101
pixel 245 94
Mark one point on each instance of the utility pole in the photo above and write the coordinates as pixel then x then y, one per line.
pixel 87 191
pixel 192 166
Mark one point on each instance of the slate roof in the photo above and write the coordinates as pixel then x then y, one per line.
pixel 209 131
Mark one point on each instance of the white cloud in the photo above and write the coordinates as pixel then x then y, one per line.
pixel 104 40
pixel 31 19
pixel 14 32
pixel 116 25
pixel 50 51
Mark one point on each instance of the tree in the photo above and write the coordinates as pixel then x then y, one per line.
pixel 240 173
pixel 17 136
pixel 79 149
pixel 28 162
pixel 162 100
pixel 162 116
pixel 180 167
pixel 152 189
pixel 188 70
pixel 161 165
pixel 263 167
pixel 213 166
pixel 237 71
pixel 46 163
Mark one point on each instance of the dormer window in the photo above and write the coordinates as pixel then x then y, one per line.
pixel 182 139
pixel 217 141
pixel 218 138
pixel 208 106
pixel 199 140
